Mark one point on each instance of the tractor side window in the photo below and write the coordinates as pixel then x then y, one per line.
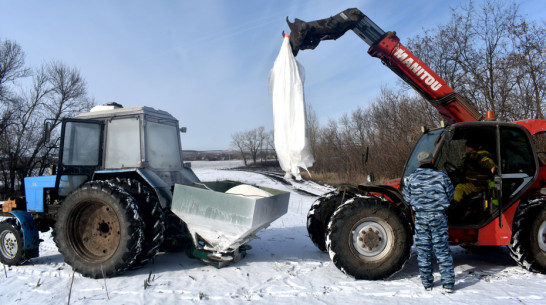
pixel 122 143
pixel 162 145
pixel 82 144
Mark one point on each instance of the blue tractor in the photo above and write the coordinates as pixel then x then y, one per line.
pixel 110 201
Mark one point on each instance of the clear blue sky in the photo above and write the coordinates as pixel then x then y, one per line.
pixel 207 62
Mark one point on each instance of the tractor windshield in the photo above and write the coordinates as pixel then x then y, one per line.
pixel 426 142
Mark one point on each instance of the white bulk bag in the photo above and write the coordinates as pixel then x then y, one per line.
pixel 286 88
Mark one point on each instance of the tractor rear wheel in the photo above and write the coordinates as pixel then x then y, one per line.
pixel 99 230
pixel 320 212
pixel 177 235
pixel 152 215
pixel 369 238
pixel 528 244
pixel 12 251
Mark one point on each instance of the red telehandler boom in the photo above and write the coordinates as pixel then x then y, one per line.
pixel 387 47
pixel 368 229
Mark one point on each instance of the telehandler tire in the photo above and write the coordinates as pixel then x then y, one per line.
pixel 528 244
pixel 12 251
pixel 369 238
pixel 99 230
pixel 320 212
pixel 152 215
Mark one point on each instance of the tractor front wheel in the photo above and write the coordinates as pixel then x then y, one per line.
pixel 11 244
pixel 99 230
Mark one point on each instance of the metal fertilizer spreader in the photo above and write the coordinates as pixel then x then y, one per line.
pixel 223 216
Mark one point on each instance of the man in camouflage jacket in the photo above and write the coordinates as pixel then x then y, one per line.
pixel 429 192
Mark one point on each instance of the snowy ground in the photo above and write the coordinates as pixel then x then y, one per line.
pixel 283 267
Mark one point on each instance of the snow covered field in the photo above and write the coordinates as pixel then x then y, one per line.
pixel 283 267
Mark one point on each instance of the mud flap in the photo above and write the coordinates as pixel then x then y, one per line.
pixel 29 230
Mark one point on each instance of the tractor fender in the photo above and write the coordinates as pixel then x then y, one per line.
pixel 382 190
pixel 391 194
pixel 161 189
pixel 29 230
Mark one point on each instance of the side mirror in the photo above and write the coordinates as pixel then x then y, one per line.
pixel 183 129
pixel 47 131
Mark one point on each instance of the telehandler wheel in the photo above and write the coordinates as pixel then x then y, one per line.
pixel 528 245
pixel 152 215
pixel 320 212
pixel 99 230
pixel 369 238
pixel 12 252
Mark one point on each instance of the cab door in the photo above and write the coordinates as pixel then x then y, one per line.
pixel 80 153
pixel 510 146
pixel 519 163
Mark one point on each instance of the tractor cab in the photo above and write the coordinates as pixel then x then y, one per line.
pixel 136 142
pixel 510 147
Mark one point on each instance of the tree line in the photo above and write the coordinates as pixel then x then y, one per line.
pixel 254 145
pixel 489 54
pixel 29 96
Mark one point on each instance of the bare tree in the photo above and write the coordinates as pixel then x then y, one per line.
pixel 492 56
pixel 313 127
pixel 251 143
pixel 267 147
pixel 397 118
pixel 254 142
pixel 12 67
pixel 270 144
pixel 529 62
pixel 238 142
pixel 387 130
pixel 57 91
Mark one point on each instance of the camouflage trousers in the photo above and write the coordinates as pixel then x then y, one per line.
pixel 431 239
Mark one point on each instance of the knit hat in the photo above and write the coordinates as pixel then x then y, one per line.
pixel 424 157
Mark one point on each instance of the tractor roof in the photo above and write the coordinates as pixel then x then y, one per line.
pixel 105 112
